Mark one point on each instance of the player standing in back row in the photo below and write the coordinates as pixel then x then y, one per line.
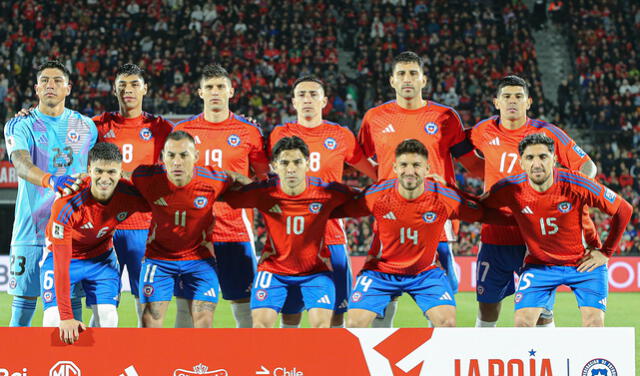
pixel 45 147
pixel 436 126
pixel 497 138
pixel 227 141
pixel 330 146
pixel 140 136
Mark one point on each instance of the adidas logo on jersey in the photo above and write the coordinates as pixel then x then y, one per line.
pixel 389 215
pixel 87 225
pixel 446 296
pixel 160 202
pixel 43 139
pixel 325 299
pixel 211 293
pixel 495 141
pixel 527 210
pixel 110 134
pixel 389 129
pixel 275 209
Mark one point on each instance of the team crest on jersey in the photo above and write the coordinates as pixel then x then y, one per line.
pixel 200 202
pixel 261 295
pixel 122 216
pixel 579 151
pixel 609 195
pixel 47 296
pixel 564 207
pixel 330 143
pixel 356 296
pixel 431 128
pixel 233 140
pixel 429 217
pixel 147 290
pixel 599 367
pixel 73 136
pixel 145 134
pixel 315 207
pixel 13 283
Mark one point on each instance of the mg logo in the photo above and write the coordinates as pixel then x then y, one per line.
pixel 65 368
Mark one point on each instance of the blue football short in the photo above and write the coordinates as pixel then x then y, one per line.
pixel 189 279
pixel 236 267
pixel 98 276
pixel 270 290
pixel 24 270
pixel 130 246
pixel 445 256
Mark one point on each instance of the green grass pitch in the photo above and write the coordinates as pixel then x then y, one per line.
pixel 623 310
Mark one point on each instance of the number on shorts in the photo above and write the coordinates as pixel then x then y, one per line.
pixel 150 273
pixel 314 161
pixel 525 279
pixel 21 265
pixel 365 282
pixel 263 280
pixel 48 280
pixel 486 266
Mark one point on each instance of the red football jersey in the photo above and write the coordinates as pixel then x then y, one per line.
pixel 550 222
pixel 234 145
pixel 82 228
pixel 181 222
pixel 438 127
pixel 140 140
pixel 499 146
pixel 402 238
pixel 295 224
pixel 330 146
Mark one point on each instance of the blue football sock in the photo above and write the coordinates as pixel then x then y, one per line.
pixel 22 311
pixel 76 306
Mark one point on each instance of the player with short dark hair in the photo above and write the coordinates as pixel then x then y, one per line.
pixel 140 136
pixel 331 146
pixel 80 245
pixel 438 127
pixel 46 147
pixel 230 142
pixel 496 139
pixel 296 208
pixel 546 203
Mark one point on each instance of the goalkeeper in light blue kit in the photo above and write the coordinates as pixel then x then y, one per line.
pixel 46 147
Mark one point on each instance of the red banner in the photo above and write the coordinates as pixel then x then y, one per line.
pixel 8 176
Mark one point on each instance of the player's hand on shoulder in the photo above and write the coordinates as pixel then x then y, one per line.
pixel 70 330
pixel 239 178
pixel 66 184
pixel 437 178
pixel 24 112
pixel 591 260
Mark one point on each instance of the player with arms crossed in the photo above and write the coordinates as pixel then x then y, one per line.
pixel 497 139
pixel 45 147
pixel 227 141
pixel 180 248
pixel 547 205
pixel 79 238
pixel 140 136
pixel 296 209
pixel 403 257
pixel 330 147
pixel 436 126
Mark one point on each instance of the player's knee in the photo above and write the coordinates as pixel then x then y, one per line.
pixel 445 322
pixel 106 315
pixel 51 317
pixel 291 319
pixel 595 320
pixel 357 321
pixel 523 321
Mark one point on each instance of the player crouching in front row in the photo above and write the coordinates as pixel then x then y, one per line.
pixel 80 245
pixel 408 210
pixel 547 205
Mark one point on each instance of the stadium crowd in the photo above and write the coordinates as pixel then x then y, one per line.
pixel 267 44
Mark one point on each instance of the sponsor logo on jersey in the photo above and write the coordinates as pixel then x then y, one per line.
pixel 356 296
pixel 579 151
pixel 73 136
pixel 599 366
pixel 147 290
pixel 43 139
pixel 160 202
pixel 122 216
pixel 429 217
pixel 145 134
pixel 518 297
pixel 200 369
pixel 65 368
pixel 200 202
pixel 87 226
pixel 233 140
pixel 275 209
pixel 609 195
pixel 564 207
pixel 324 300
pixel 446 296
pixel 389 129
pixel 389 216
pixel 13 283
pixel 47 296
pixel 261 295
pixel 315 207
pixel 431 128
pixel 58 231
pixel 330 143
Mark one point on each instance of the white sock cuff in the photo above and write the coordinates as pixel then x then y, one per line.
pixel 485 324
pixel 242 314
